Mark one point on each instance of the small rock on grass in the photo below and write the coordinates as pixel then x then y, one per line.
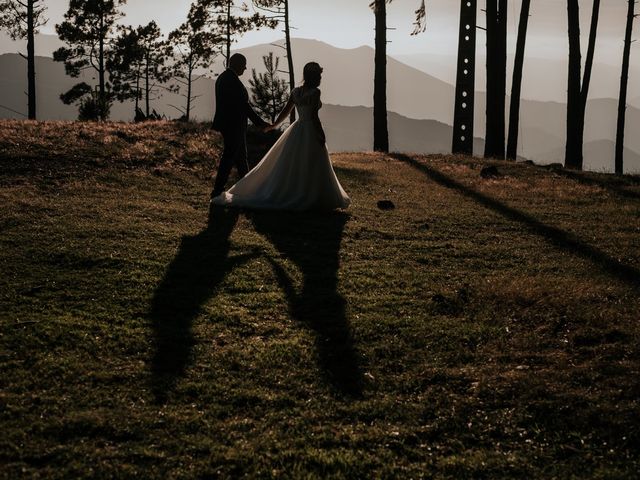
pixel 489 172
pixel 386 205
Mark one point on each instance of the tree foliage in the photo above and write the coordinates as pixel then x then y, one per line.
pixel 269 92
pixel 229 20
pixel 193 47
pixel 138 64
pixel 87 31
pixel 14 17
pixel 278 11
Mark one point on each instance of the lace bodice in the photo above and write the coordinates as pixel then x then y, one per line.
pixel 307 102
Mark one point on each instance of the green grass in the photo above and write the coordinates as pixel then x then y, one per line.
pixel 482 329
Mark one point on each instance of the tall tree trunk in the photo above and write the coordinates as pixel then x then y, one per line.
pixel 573 151
pixel 463 116
pixel 588 65
pixel 101 63
pixel 228 31
pixel 496 78
pixel 137 90
pixel 516 86
pixel 146 85
pixel 380 128
pixel 287 36
pixel 624 79
pixel 31 59
pixel 190 76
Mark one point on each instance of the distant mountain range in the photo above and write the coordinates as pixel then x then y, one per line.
pixel 424 105
pixel 544 79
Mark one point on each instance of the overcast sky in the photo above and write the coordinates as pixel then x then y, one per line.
pixel 349 24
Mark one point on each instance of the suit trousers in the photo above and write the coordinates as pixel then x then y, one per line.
pixel 234 154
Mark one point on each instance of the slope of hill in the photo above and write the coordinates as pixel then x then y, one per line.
pixel 45 45
pixel 482 329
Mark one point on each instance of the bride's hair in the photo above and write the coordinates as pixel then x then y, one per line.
pixel 312 74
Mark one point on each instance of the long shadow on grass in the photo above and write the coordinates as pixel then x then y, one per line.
pixel 312 243
pixel 199 267
pixel 613 184
pixel 553 235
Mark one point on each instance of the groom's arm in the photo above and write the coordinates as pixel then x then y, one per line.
pixel 254 117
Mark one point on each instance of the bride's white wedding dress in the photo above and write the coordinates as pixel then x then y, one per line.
pixel 296 174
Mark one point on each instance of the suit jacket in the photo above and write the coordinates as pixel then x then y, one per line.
pixel 232 104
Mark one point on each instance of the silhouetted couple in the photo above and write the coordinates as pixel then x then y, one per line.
pixel 296 174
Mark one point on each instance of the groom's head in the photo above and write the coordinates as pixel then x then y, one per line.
pixel 238 63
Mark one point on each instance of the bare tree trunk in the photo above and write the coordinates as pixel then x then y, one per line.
pixel 624 79
pixel 588 65
pixel 496 78
pixel 228 32
pixel 101 75
pixel 189 82
pixel 287 36
pixel 573 151
pixel 463 121
pixel 146 85
pixel 516 86
pixel 31 60
pixel 380 127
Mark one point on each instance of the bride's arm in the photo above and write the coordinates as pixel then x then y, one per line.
pixel 284 114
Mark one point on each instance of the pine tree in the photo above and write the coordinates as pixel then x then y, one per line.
pixel 193 47
pixel 21 19
pixel 87 30
pixel 278 10
pixel 269 93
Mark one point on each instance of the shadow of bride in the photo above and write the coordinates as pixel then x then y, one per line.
pixel 312 242
pixel 201 264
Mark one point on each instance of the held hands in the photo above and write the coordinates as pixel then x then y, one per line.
pixel 268 128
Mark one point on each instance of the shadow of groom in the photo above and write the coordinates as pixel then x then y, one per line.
pixel 200 266
pixel 312 242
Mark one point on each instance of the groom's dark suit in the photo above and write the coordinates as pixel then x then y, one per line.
pixel 232 111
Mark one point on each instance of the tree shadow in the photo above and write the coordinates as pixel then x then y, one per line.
pixel 555 236
pixel 201 264
pixel 312 242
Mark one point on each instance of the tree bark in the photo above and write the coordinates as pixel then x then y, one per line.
pixel 228 31
pixel 573 151
pixel 188 112
pixel 588 65
pixel 516 86
pixel 380 127
pixel 31 60
pixel 496 78
pixel 146 86
pixel 101 59
pixel 287 35
pixel 624 79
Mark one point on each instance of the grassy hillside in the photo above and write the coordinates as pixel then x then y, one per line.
pixel 484 328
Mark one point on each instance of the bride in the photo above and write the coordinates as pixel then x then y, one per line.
pixel 296 174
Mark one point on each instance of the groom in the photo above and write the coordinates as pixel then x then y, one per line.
pixel 232 111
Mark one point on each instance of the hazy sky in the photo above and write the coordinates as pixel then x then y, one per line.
pixel 349 24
